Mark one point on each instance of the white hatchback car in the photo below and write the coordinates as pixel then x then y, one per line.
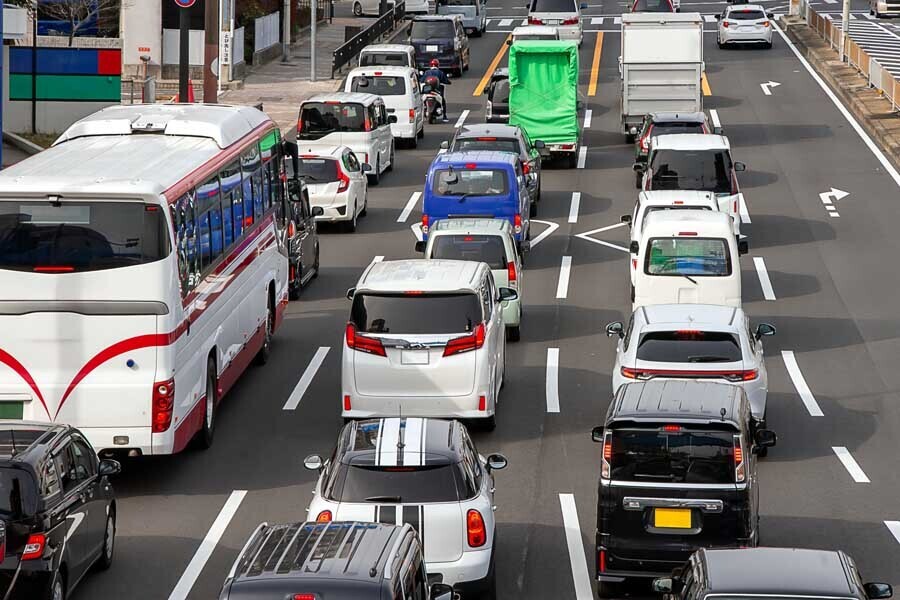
pixel 425 338
pixel 564 15
pixel 337 183
pixel 490 241
pixel 423 472
pixel 745 24
pixel 693 341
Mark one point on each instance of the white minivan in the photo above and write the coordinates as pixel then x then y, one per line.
pixel 359 121
pixel 688 257
pixel 565 15
pixel 388 55
pixel 399 88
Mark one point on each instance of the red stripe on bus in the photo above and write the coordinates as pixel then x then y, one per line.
pixel 10 361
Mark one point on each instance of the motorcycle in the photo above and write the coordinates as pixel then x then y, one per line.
pixel 432 99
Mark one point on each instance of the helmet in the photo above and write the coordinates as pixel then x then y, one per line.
pixel 435 62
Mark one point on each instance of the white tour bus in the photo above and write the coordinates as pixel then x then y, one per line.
pixel 143 266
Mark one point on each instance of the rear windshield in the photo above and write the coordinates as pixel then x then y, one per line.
pixel 553 6
pixel 653 209
pixel 382 85
pixel 689 346
pixel 478 248
pixel 652 6
pixel 746 15
pixel 384 59
pixel 500 95
pixel 457 2
pixel 318 170
pixel 426 30
pixel 318 119
pixel 487 143
pixel 416 314
pixel 524 37
pixel 664 128
pixel 470 182
pixel 702 257
pixel 395 485
pixel 705 170
pixel 672 454
pixel 17 494
pixel 80 236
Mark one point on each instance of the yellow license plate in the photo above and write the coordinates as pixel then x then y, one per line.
pixel 676 518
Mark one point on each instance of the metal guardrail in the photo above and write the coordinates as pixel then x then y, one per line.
pixel 874 72
pixel 385 24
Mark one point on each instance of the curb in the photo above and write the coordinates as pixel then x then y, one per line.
pixel 871 110
pixel 21 143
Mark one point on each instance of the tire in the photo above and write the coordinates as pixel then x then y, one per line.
pixel 540 190
pixel 514 334
pixel 413 142
pixel 316 264
pixel 609 590
pixel 638 180
pixel 488 424
pixel 375 176
pixel 350 226
pixel 390 166
pixel 357 9
pixel 632 293
pixel 294 290
pixel 207 432
pixel 767 45
pixel 421 133
pixel 489 584
pixel 58 590
pixel 262 357
pixel 109 542
pixel 532 210
pixel 365 210
pixel 572 161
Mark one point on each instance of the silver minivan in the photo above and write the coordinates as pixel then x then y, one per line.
pixel 473 12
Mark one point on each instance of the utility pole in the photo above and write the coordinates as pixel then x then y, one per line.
pixel 184 49
pixel 845 26
pixel 312 39
pixel 34 32
pixel 286 32
pixel 1 79
pixel 211 52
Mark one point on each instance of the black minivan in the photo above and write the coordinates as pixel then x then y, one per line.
pixel 57 507
pixel 678 473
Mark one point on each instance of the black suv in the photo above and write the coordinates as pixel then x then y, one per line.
pixel 335 560
pixel 769 572
pixel 678 473
pixel 57 507
pixel 302 234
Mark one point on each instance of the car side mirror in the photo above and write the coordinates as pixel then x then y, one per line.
pixel 770 16
pixel 615 329
pixel 633 247
pixel 350 293
pixel 597 434
pixel 638 167
pixel 878 590
pixel 662 585
pixel 739 167
pixel 509 41
pixel 718 130
pixel 445 145
pixel 743 247
pixel 626 219
pixel 539 145
pixel 496 462
pixel 441 591
pixel 508 294
pixel 392 119
pixel 764 330
pixel 579 105
pixel 318 211
pixel 420 246
pixel 633 131
pixel 313 462
pixel 109 466
pixel 718 17
pixel 365 167
pixel 764 438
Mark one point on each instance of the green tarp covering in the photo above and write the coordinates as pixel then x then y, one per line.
pixel 543 95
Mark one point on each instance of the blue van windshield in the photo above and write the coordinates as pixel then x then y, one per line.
pixel 470 182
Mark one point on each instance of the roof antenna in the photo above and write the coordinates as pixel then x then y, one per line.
pixel 723 412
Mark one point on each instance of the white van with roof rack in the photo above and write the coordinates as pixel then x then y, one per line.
pixel 399 89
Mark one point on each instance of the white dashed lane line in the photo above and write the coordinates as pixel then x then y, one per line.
pixel 894 528
pixel 714 116
pixel 588 116
pixel 582 156
pixel 850 464
pixel 462 119
pixel 296 396
pixel 562 288
pixel 577 560
pixel 806 395
pixel 410 205
pixel 742 210
pixel 574 206
pixel 552 380
pixel 763 274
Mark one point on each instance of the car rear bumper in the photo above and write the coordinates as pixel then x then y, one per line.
pixel 759 37
pixel 457 407
pixel 471 569
pixel 334 211
pixel 30 584
pixel 403 130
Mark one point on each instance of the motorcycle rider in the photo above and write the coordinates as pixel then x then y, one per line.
pixel 435 71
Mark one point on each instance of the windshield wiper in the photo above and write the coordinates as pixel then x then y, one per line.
pixel 393 499
pixel 708 359
pixel 691 279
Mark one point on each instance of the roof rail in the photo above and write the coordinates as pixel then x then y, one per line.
pixel 250 540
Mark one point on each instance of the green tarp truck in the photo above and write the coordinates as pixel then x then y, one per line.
pixel 543 94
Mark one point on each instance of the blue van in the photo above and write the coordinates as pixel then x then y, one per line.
pixel 477 184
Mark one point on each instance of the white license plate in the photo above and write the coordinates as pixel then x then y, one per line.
pixel 748 28
pixel 431 48
pixel 552 21
pixel 414 357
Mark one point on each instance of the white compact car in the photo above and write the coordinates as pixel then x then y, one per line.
pixel 564 15
pixel 399 88
pixel 745 24
pixel 425 338
pixel 423 472
pixel 336 182
pixel 693 341
pixel 490 241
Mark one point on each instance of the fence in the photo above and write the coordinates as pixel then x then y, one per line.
pixel 266 32
pixel 237 47
pixel 383 25
pixel 876 74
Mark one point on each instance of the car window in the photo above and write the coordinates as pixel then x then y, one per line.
pixel 471 182
pixel 478 248
pixel 425 30
pixel 318 119
pixel 411 484
pixel 652 6
pixel 652 209
pixel 17 494
pixel 747 15
pixel 65 466
pixel 689 346
pixel 487 299
pixel 85 459
pixel 626 341
pixel 705 170
pixel 384 59
pixel 680 256
pixel 564 6
pixel 382 85
pixel 471 458
pixel 665 128
pixel 50 483
pixel 317 170
pixel 416 313
pixel 487 143
pixel 353 162
pixel 673 454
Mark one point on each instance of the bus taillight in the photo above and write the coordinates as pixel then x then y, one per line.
pixel 163 402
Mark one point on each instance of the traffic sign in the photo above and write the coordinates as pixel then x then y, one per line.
pixel 185 3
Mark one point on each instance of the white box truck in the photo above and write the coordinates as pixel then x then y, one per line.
pixel 661 66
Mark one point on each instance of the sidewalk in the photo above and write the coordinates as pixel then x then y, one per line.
pixel 281 87
pixel 12 155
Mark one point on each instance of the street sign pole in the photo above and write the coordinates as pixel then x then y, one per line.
pixel 184 47
pixel 312 39
pixel 211 52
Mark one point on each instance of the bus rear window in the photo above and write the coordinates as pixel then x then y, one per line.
pixel 318 119
pixel 70 237
pixel 701 257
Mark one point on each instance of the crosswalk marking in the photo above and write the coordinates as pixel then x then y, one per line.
pixel 506 22
pixel 709 18
pixel 596 20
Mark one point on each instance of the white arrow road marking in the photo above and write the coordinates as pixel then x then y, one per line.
pixel 562 288
pixel 411 204
pixel 552 380
pixel 296 396
pixel 799 381
pixel 587 237
pixel 551 227
pixel 834 193
pixel 573 207
pixel 416 228
pixel 378 259
pixel 894 528
pixel 575 544
pixel 767 87
pixel 505 22
pixel 850 464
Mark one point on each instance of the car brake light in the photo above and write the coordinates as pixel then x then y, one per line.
pixel 412 115
pixel 366 158
pixel 486 139
pixel 571 21
pixel 511 274
pixel 425 224
pixel 347 402
pixel 740 472
pixel 526 168
pixel 363 343
pixel 53 269
pixel 163 403
pixel 690 233
pixel 734 208
pixel 607 455
pixel 368 123
pixel 344 180
pixel 377 73
pixel 291 231
pixel 304 597
pixel 672 428
pixel 534 21
pixel 324 517
pixel 630 373
pixel 517 223
pixel 482 403
pixel 602 561
pixel 765 23
pixel 34 547
pixel 634 263
pixel 725 24
pixel 471 166
pixel 475 529
pixel 473 341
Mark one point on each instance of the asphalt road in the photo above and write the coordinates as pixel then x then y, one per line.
pixel 834 284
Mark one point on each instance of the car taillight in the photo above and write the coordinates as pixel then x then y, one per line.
pixel 344 180
pixel 630 373
pixel 412 115
pixel 473 341
pixel 740 472
pixel 163 403
pixel 347 405
pixel 526 168
pixel 534 21
pixel 571 21
pixel 634 263
pixel 363 343
pixel 746 375
pixel 291 231
pixel 368 123
pixel 607 455
pixel 725 24
pixel 324 517
pixel 299 125
pixel 732 376
pixel 765 24
pixel 34 547
pixel 517 223
pixel 511 274
pixel 601 561
pixel 304 597
pixel 482 403
pixel 475 529
pixel 425 224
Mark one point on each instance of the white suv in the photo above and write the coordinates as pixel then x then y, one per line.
pixel 425 338
pixel 423 472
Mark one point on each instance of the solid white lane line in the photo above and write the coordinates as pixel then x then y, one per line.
pixel 742 208
pixel 562 288
pixel 461 119
pixel 588 115
pixel 577 560
pixel 505 22
pixel 192 572
pixel 894 528
pixel 573 207
pixel 790 362
pixel 552 380
pixel 763 274
pixel 551 227
pixel 850 464
pixel 582 156
pixel 297 395
pixel 714 115
pixel 411 204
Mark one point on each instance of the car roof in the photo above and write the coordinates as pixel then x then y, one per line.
pixel 676 222
pixel 21 441
pixel 488 130
pixel 383 70
pixel 535 30
pixel 743 7
pixel 789 571
pixel 678 117
pixel 357 97
pixel 472 225
pixel 434 276
pixel 437 18
pixel 691 141
pixel 399 441
pixel 695 314
pixel 669 197
pixel 482 158
pixel 681 401
pixel 388 48
pixel 321 151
